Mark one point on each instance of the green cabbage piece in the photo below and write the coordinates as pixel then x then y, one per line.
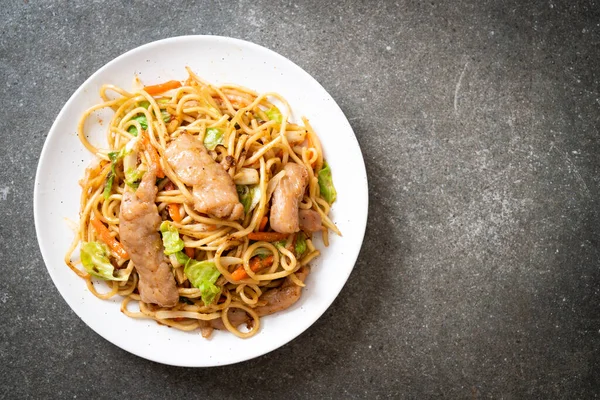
pixel 203 275
pixel 301 246
pixel 171 240
pixel 249 196
pixel 110 178
pixel 213 138
pixel 262 253
pixel 181 257
pixel 143 123
pixel 274 114
pixel 94 257
pixel 114 157
pixel 328 191
pixel 280 243
pixel 141 118
pixel 133 177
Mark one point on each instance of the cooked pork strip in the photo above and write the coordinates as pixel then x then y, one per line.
pixel 310 220
pixel 283 297
pixel 236 316
pixel 286 196
pixel 138 229
pixel 213 189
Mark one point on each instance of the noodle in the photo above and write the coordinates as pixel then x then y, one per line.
pixel 257 142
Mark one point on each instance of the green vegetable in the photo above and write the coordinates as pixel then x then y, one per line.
pixel 274 114
pixel 203 275
pixel 300 244
pixel 171 240
pixel 133 177
pixel 300 247
pixel 213 138
pixel 326 184
pixel 249 196
pixel 280 243
pixel 262 253
pixel 108 186
pixel 141 118
pixel 181 257
pixel 94 257
pixel 166 117
pixel 165 114
pixel 114 158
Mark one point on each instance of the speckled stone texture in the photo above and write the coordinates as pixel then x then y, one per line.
pixel 479 276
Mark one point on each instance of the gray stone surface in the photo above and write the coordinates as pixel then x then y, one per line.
pixel 479 276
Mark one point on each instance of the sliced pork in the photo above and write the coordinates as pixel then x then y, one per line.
pixel 213 189
pixel 310 220
pixel 236 316
pixel 138 229
pixel 283 297
pixel 286 197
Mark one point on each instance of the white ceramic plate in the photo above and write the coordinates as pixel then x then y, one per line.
pixel 218 60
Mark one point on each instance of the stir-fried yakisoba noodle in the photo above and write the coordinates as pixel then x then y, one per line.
pixel 203 206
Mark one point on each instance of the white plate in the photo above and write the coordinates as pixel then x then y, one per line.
pixel 218 60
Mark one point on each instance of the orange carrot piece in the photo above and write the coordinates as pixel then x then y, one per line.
pixel 263 223
pixel 105 236
pixel 189 251
pixel 267 236
pixel 174 212
pixel 153 90
pixel 174 208
pixel 256 264
pixel 154 158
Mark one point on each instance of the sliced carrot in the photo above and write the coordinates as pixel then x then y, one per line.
pixel 256 264
pixel 174 212
pixel 153 90
pixel 174 208
pixel 263 223
pixel 154 158
pixel 189 251
pixel 267 236
pixel 105 236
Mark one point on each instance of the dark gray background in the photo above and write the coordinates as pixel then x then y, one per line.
pixel 478 120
